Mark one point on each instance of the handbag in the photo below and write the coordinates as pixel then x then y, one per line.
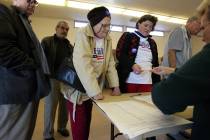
pixel 66 73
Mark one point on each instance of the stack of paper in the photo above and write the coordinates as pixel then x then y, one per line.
pixel 145 98
pixel 134 118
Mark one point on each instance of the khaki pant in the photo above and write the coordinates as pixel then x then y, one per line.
pixel 51 102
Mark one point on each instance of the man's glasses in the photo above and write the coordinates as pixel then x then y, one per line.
pixel 30 2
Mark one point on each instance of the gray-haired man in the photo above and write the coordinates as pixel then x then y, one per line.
pixel 178 48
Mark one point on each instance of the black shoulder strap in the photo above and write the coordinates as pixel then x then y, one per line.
pixel 40 56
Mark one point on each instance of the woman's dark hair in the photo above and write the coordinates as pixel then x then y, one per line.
pixel 151 18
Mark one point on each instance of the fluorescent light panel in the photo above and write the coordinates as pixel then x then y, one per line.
pixel 116 28
pixel 115 10
pixel 79 24
pixel 157 33
pixel 53 2
pixel 81 5
pixel 133 13
pixel 130 29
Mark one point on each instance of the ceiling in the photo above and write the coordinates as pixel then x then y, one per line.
pixel 178 8
pixel 175 8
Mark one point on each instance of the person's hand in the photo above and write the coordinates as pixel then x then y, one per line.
pixel 161 70
pixel 136 69
pixel 115 91
pixel 98 97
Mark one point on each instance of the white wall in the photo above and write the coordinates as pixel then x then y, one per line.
pixel 197 44
pixel 46 26
pixel 161 41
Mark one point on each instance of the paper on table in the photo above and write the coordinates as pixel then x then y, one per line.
pixel 133 118
pixel 145 98
pixel 148 99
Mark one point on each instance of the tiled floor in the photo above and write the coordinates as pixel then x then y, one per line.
pixel 100 127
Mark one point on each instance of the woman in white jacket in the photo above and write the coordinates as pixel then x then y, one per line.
pixel 93 61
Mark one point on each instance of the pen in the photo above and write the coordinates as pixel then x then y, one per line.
pixel 136 95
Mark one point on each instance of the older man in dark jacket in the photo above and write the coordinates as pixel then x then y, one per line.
pixel 56 48
pixel 22 69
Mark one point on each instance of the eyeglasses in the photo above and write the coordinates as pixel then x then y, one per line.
pixel 106 26
pixel 30 2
